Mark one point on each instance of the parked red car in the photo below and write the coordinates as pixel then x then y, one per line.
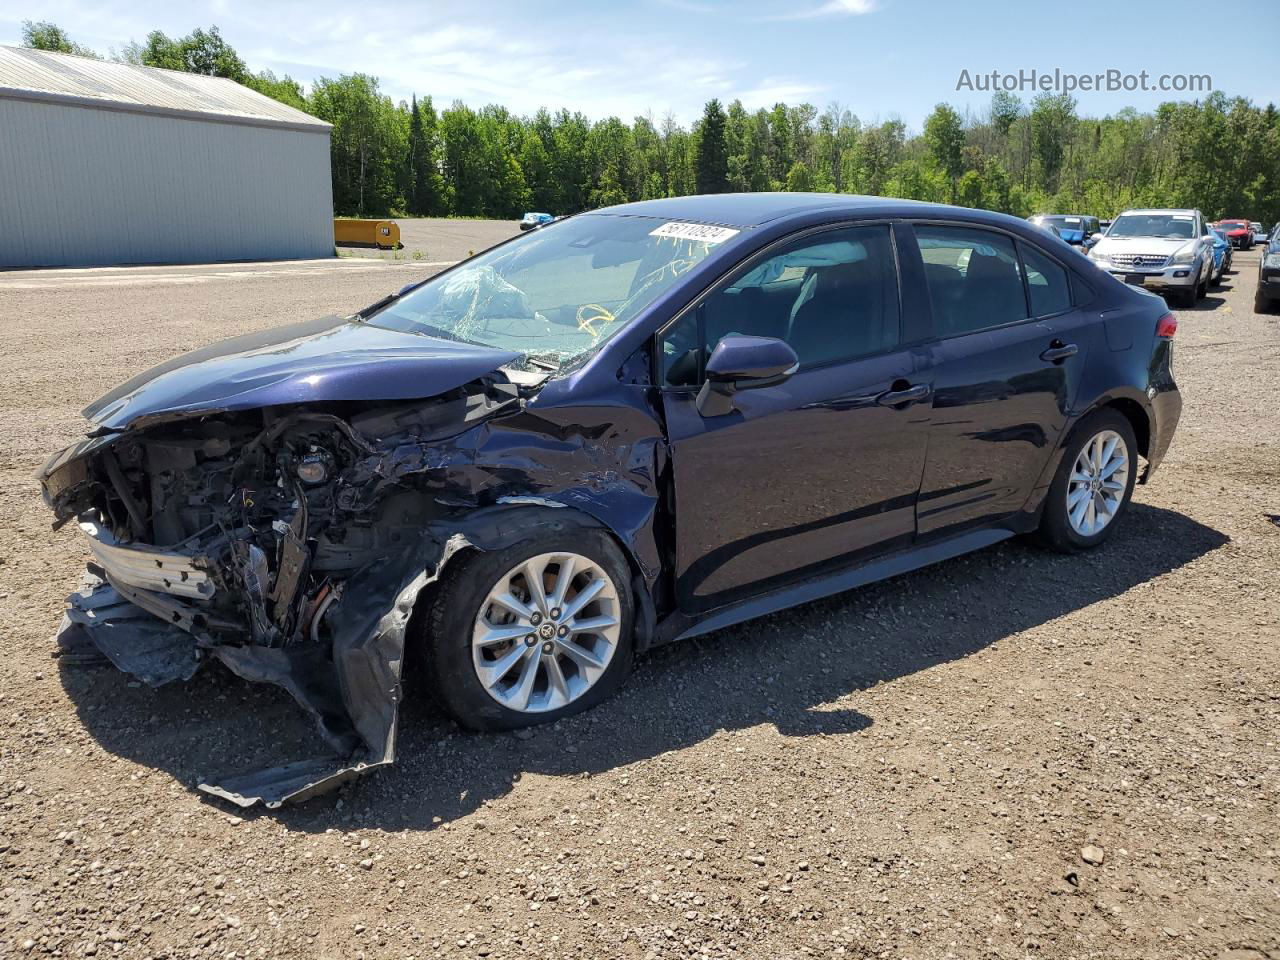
pixel 1239 232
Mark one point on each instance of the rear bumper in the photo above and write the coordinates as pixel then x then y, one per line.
pixel 1166 408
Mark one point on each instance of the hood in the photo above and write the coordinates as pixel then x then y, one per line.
pixel 331 359
pixel 1159 246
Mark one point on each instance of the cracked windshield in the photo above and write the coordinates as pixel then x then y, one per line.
pixel 557 294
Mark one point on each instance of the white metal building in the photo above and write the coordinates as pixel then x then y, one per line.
pixel 106 163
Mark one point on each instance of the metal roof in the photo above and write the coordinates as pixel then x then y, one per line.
pixel 28 74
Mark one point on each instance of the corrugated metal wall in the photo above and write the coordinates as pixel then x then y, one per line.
pixel 85 187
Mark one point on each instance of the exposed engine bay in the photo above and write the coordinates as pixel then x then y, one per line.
pixel 292 543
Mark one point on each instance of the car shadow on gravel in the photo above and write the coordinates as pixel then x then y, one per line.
pixel 791 671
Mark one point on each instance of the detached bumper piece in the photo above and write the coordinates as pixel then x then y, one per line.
pixel 99 623
pixel 140 607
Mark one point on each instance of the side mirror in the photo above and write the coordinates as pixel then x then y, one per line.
pixel 743 363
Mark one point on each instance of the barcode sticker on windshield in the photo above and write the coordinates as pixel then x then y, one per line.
pixel 694 231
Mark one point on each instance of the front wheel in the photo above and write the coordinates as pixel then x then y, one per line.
pixel 533 633
pixel 1093 485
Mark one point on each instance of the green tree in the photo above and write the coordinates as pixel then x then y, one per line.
pixel 43 35
pixel 1053 122
pixel 1005 109
pixel 201 51
pixel 799 178
pixel 944 137
pixel 712 156
pixel 424 188
pixel 367 143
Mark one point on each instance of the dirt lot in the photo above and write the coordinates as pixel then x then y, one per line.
pixel 435 241
pixel 912 770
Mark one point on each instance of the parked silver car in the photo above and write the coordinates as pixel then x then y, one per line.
pixel 1169 251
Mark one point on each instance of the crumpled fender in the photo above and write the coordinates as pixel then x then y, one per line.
pixel 355 699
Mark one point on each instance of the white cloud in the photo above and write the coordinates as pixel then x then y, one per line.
pixel 832 8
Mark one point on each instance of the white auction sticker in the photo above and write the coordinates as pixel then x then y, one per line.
pixel 694 231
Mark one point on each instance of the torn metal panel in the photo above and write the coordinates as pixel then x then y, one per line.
pixel 292 783
pixel 99 619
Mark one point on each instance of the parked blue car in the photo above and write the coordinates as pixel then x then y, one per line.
pixel 531 220
pixel 1074 229
pixel 1221 254
pixel 653 421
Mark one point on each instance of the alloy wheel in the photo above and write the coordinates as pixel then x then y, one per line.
pixel 546 632
pixel 1096 487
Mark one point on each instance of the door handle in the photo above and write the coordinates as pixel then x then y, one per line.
pixel 911 394
pixel 1059 351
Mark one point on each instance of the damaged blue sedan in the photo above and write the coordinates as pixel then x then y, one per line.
pixel 628 427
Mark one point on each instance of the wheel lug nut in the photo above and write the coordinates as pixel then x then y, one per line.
pixel 530 640
pixel 536 619
pixel 555 613
pixel 563 631
pixel 546 648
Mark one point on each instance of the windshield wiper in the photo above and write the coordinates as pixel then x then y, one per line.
pixel 550 365
pixel 373 308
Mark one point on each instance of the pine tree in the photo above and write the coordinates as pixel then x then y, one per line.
pixel 712 159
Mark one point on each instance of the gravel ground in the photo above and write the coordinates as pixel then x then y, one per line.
pixel 435 241
pixel 1085 767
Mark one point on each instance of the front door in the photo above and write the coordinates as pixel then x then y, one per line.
pixel 812 473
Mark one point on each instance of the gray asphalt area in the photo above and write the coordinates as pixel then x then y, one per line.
pixel 1013 754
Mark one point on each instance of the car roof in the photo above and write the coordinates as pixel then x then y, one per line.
pixel 756 209
pixel 1147 211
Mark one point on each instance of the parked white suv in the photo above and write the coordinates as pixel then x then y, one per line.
pixel 1170 251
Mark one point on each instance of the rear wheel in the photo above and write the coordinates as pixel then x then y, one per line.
pixel 533 633
pixel 1093 485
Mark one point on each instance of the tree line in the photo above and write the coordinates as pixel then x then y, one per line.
pixel 1220 154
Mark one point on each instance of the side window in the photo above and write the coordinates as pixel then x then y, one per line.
pixel 973 278
pixel 1047 283
pixel 832 296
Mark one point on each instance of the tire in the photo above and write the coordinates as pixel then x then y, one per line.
pixel 1057 529
pixel 453 673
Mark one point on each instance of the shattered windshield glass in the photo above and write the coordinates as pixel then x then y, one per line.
pixel 558 293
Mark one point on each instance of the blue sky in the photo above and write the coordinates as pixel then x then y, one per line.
pixel 877 58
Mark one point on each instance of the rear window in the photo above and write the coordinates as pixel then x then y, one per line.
pixel 973 277
pixel 1047 283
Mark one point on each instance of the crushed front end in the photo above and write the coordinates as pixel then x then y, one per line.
pixel 290 543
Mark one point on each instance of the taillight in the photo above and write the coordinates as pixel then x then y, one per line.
pixel 1167 326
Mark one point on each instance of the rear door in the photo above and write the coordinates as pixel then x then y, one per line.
pixel 1006 364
